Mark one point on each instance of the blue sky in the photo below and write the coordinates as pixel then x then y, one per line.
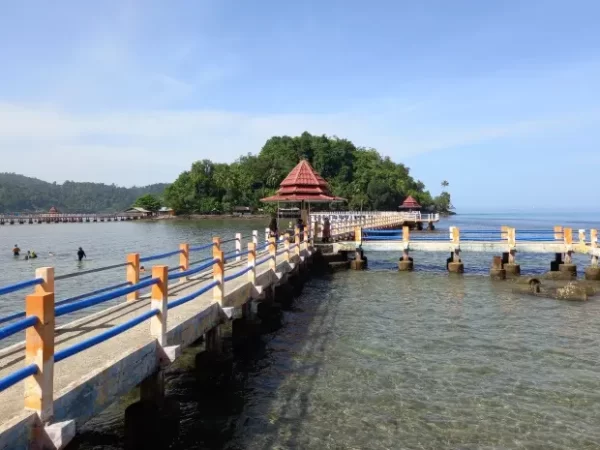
pixel 499 98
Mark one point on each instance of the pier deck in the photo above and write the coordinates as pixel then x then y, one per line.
pixel 89 381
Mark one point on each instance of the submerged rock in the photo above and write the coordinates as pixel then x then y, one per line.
pixel 573 290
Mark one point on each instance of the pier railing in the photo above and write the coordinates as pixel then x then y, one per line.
pixel 38 319
pixel 509 235
pixel 343 223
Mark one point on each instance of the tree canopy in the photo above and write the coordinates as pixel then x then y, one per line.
pixel 361 175
pixel 19 193
pixel 149 202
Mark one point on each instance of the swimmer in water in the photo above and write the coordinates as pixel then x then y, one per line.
pixel 81 254
pixel 16 250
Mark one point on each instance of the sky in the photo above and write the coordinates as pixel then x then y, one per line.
pixel 501 99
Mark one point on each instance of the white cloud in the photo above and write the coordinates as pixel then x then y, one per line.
pixel 152 146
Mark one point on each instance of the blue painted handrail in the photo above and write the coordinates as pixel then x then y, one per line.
pixel 87 294
pixel 201 247
pixel 18 375
pixel 76 306
pixel 233 276
pixel 263 260
pixel 161 256
pixel 189 272
pixel 192 296
pixel 21 285
pixel 104 336
pixel 21 325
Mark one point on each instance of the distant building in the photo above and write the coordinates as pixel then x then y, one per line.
pixel 164 211
pixel 242 210
pixel 138 210
pixel 53 210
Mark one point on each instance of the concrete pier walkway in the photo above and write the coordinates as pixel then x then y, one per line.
pixel 89 381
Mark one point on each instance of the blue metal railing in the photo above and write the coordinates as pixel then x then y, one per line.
pixel 76 306
pixel 21 285
pixel 160 256
pixel 233 276
pixel 189 272
pixel 99 338
pixel 21 325
pixel 18 375
pixel 192 296
pixel 197 248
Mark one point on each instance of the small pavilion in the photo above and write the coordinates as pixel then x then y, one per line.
pixel 410 204
pixel 305 186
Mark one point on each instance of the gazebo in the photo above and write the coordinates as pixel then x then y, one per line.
pixel 410 204
pixel 305 186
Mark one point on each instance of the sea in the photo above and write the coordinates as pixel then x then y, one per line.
pixel 376 359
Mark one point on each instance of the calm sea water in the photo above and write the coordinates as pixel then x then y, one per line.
pixel 377 359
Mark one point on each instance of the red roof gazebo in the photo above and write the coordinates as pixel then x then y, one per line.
pixel 410 203
pixel 303 184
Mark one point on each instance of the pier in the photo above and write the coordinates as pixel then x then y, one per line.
pixel 59 377
pixel 21 219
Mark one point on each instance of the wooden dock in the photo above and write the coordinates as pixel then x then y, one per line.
pixel 21 219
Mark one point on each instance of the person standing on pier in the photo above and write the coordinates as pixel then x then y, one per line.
pixel 81 254
pixel 16 250
pixel 326 230
pixel 273 232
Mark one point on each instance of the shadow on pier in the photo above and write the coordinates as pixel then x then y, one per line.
pixel 260 394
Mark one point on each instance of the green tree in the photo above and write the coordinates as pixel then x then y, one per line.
pixel 148 202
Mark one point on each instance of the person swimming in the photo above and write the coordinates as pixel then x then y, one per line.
pixel 81 254
pixel 16 250
pixel 32 255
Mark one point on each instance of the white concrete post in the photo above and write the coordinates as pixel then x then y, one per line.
pixel 238 246
pixel 39 347
pixel 255 237
pixel 160 296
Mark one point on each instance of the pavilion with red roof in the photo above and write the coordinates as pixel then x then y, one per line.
pixel 303 184
pixel 410 204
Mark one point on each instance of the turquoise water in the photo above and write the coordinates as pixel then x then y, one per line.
pixel 387 360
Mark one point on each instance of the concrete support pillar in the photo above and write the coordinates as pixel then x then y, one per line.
pixel 593 271
pixel 510 266
pixel 214 342
pixel 358 263
pixel 568 268
pixel 405 263
pixel 454 263
pixel 497 272
pixel 558 260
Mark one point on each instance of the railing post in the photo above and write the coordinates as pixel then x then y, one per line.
pixel 286 247
pixel 238 246
pixel 272 253
pixel 582 236
pixel 39 347
pixel 160 297
pixel 133 274
pixel 252 263
pixel 184 258
pixel 255 237
pixel 297 240
pixel 357 236
pixel 218 272
pixel 594 245
pixel 558 233
pixel 267 233
pixel 568 240
pixel 405 234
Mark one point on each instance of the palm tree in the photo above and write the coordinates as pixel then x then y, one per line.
pixel 445 184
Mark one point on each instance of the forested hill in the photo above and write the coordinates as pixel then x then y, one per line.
pixel 19 193
pixel 361 175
